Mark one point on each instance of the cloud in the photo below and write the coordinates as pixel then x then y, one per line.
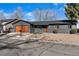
pixel 65 5
pixel 29 14
pixel 62 9
pixel 56 4
pixel 4 14
pixel 60 13
pixel 7 15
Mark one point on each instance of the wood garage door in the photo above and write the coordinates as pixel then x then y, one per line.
pixel 22 28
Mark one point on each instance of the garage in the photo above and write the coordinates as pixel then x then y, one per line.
pixel 23 28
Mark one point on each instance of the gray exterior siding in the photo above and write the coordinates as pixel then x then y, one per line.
pixel 60 28
pixel 74 27
pixel 64 29
pixel 39 30
pixel 51 28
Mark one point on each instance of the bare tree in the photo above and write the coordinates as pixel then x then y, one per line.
pixel 18 14
pixel 37 14
pixel 50 15
pixel 44 15
pixel 2 16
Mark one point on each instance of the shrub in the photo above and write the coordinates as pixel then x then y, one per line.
pixel 55 31
pixel 73 31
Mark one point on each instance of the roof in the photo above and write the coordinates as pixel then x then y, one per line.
pixel 7 22
pixel 54 22
pixel 21 20
pixel 15 21
pixel 59 22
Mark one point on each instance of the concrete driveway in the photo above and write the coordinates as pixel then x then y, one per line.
pixel 41 49
pixel 36 48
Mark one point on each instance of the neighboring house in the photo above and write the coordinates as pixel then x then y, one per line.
pixel 62 26
pixel 1 24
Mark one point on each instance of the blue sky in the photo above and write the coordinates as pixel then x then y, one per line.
pixel 28 8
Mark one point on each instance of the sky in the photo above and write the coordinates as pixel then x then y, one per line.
pixel 28 8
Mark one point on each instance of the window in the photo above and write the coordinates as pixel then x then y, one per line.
pixel 63 26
